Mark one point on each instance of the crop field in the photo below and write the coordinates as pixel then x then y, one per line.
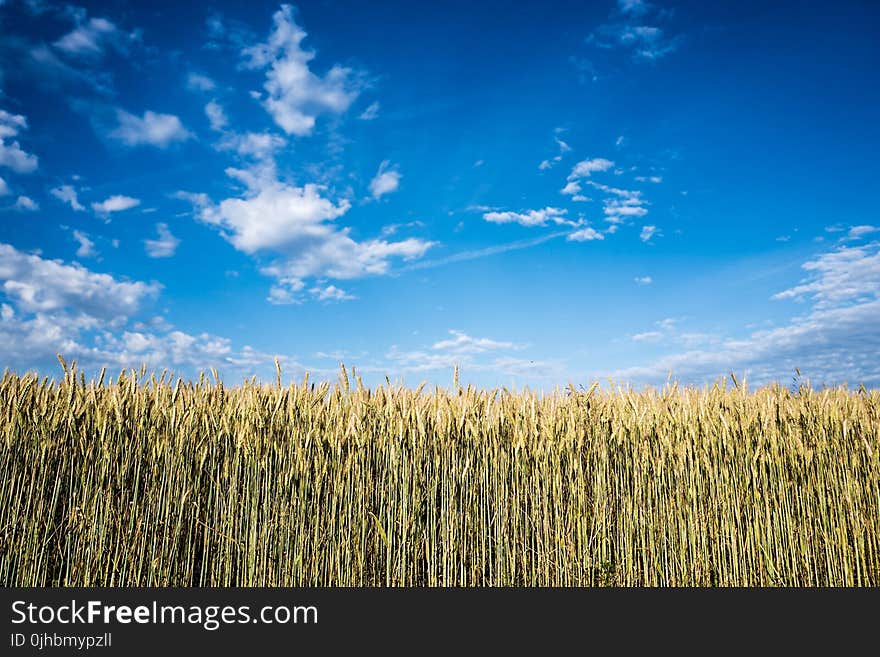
pixel 140 480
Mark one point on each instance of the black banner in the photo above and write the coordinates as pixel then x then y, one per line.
pixel 108 621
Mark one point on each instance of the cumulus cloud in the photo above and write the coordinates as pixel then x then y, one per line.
pixel 530 217
pixel 49 307
pixel 154 129
pixel 164 246
pixel 585 168
pixel 277 217
pixel 585 235
pixel 643 280
pixel 331 293
pixel 12 156
pixel 295 95
pixel 116 203
pixel 4 188
pixel 39 285
pixel 67 194
pixel 386 180
pixel 297 225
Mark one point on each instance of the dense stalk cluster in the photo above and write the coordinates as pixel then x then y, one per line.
pixel 143 481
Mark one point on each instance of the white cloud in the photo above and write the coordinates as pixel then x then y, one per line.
pixel 643 280
pixel 634 7
pixel 39 285
pixel 26 204
pixel 199 82
pixel 160 130
pixel 117 203
pixel 91 37
pixel 371 112
pixel 258 145
pixel 618 209
pixel 331 293
pixel 472 355
pixel 462 343
pixel 849 273
pixel 647 336
pixel 296 96
pixel 858 232
pixel 571 188
pixel 277 217
pixel 585 235
pixel 198 200
pixel 297 223
pixel 631 32
pixel 387 180
pixel 647 233
pixel 164 246
pixel 585 168
pixel 835 339
pixel 11 154
pixel 645 42
pixel 651 179
pixel 216 116
pixel 67 194
pixel 86 246
pixel 4 188
pixel 49 307
pixel 530 217
pixel 563 149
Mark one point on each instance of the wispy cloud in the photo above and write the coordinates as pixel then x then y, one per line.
pixel 833 340
pixel 92 36
pixel 463 256
pixel 164 246
pixel 199 82
pixel 629 30
pixel 371 112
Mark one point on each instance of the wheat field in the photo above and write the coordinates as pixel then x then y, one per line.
pixel 156 482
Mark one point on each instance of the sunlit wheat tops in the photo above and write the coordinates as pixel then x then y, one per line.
pixel 146 481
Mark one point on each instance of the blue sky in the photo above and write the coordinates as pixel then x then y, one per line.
pixel 540 192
